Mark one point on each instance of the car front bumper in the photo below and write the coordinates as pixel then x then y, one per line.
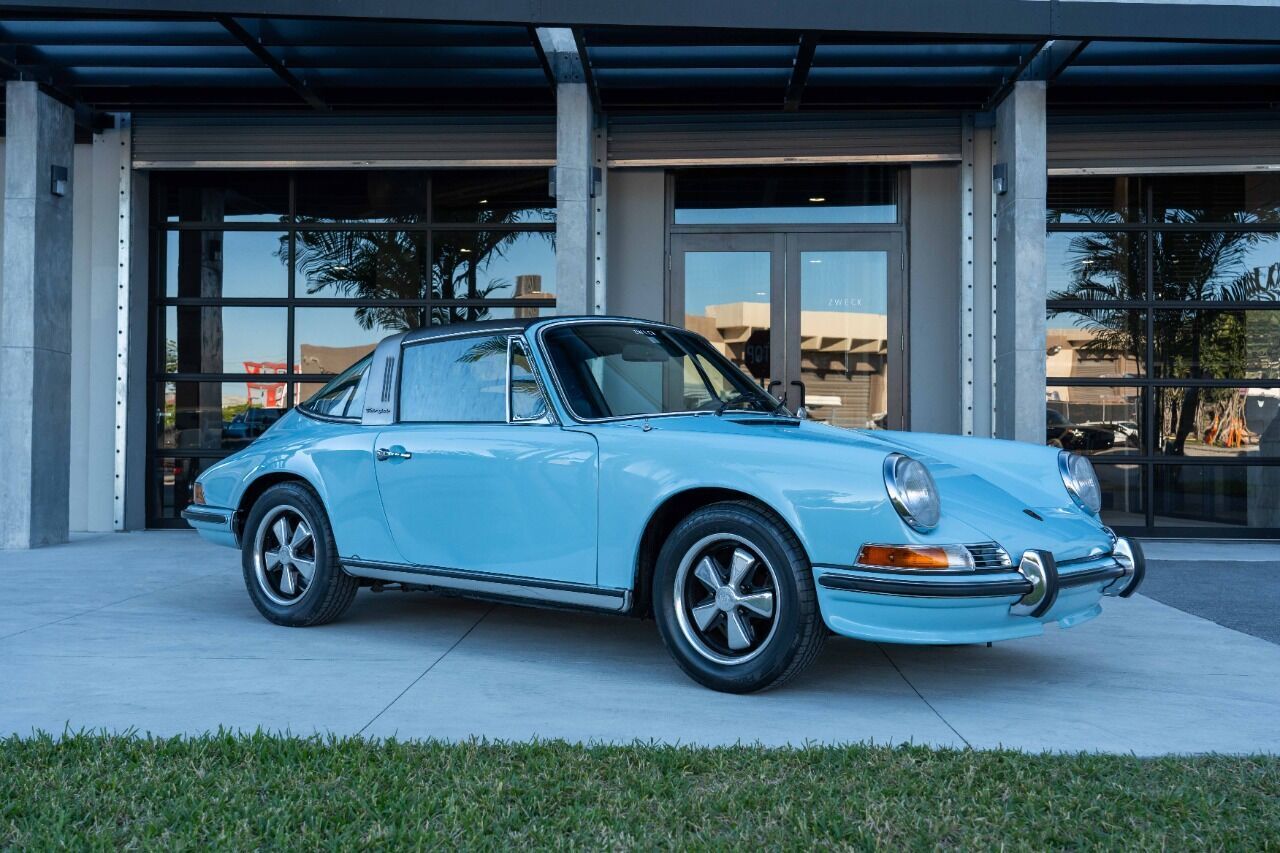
pixel 975 607
pixel 217 524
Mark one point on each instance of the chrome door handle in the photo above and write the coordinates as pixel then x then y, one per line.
pixel 385 453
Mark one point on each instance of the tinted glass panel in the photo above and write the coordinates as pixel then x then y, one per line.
pixel 224 340
pixel 1096 265
pixel 361 264
pixel 1216 198
pixel 1217 422
pixel 1094 200
pixel 215 416
pixel 368 195
pixel 1227 265
pixel 455 380
pixel 794 194
pixel 223 197
pixel 1217 496
pixel 230 264
pixel 171 482
pixel 1208 344
pixel 1094 343
pixel 492 197
pixel 329 340
pixel 1095 420
pixel 495 265
pixel 724 293
pixel 338 398
pixel 1123 493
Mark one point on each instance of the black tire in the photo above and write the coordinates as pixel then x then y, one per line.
pixel 781 646
pixel 302 602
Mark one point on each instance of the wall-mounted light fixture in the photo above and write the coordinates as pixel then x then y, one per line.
pixel 58 180
pixel 1000 178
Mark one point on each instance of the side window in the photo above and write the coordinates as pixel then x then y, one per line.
pixel 527 402
pixel 338 398
pixel 455 380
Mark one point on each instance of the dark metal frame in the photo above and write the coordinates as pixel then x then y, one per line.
pixel 158 302
pixel 1147 383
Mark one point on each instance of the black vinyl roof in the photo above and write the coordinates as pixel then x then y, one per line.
pixel 107 60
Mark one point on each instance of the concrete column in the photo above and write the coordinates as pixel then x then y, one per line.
pixel 575 262
pixel 1020 265
pixel 35 320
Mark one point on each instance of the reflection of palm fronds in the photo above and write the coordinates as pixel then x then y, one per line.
pixel 484 349
pixel 1187 265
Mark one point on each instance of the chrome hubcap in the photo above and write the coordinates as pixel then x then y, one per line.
pixel 726 599
pixel 284 555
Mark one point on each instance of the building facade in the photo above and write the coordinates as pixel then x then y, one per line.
pixel 1050 220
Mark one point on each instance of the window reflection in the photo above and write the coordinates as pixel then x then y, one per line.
pixel 1244 198
pixel 1095 343
pixel 217 339
pixel 230 264
pixel 216 415
pixel 1217 422
pixel 1217 496
pixel 361 264
pixel 365 195
pixel 1095 420
pixel 1095 200
pixel 223 196
pixel 1212 344
pixel 1095 265
pixel 457 380
pixel 329 340
pixel 486 265
pixel 491 197
pixel 171 483
pixel 1217 265
pixel 1123 493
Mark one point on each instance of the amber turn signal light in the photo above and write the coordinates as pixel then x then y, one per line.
pixel 914 557
pixel 197 494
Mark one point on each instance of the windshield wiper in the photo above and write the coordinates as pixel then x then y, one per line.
pixel 777 408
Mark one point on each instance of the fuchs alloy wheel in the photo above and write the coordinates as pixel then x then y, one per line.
pixel 734 599
pixel 290 559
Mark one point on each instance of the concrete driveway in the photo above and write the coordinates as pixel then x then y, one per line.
pixel 154 632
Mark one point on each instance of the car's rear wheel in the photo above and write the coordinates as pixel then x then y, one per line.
pixel 734 599
pixel 290 561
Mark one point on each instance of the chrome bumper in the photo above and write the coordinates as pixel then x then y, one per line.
pixel 1125 573
pixel 1037 587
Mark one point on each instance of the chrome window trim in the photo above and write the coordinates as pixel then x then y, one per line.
pixel 548 416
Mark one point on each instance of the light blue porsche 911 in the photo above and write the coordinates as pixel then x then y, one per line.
pixel 627 466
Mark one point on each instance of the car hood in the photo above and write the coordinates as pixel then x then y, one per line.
pixel 1005 491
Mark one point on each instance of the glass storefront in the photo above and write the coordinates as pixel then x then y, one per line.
pixel 267 284
pixel 1164 347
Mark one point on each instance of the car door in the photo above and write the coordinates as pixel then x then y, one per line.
pixel 476 476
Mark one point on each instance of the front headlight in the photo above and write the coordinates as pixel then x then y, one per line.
pixel 912 491
pixel 1081 481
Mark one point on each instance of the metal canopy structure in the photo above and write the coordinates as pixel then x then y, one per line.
pixel 153 57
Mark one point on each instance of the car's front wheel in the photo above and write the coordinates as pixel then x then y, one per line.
pixel 290 561
pixel 734 599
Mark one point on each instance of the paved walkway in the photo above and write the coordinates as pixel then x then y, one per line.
pixel 154 632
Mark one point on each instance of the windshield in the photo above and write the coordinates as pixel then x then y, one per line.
pixel 613 370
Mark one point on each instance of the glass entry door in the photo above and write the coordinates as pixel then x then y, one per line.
pixel 818 314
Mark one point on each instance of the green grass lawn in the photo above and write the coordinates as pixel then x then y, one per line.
pixel 259 790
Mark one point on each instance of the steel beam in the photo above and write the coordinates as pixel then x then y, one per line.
pixel 255 46
pixel 799 72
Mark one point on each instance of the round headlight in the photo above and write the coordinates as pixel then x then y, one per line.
pixel 1081 481
pixel 912 491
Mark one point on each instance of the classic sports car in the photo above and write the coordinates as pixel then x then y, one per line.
pixel 627 466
